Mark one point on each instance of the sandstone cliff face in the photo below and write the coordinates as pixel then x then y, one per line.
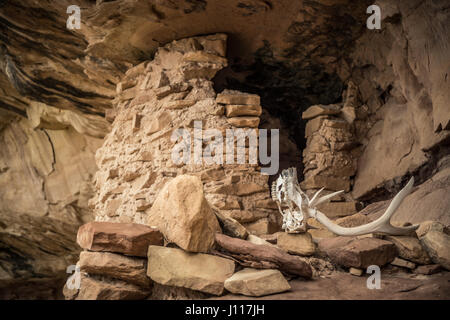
pixel 403 79
pixel 46 182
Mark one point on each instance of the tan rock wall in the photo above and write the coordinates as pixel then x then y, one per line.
pixel 45 184
pixel 401 74
pixel 156 98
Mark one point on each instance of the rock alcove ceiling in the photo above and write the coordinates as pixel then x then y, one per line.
pixel 58 89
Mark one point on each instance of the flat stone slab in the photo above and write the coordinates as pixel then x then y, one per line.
pixel 320 110
pixel 358 253
pixel 93 288
pixel 244 122
pixel 127 238
pixel 299 244
pixel 257 283
pixel 235 110
pixel 236 97
pixel 196 271
pixel 409 248
pixel 117 266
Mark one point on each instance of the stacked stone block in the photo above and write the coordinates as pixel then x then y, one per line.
pixel 154 99
pixel 330 156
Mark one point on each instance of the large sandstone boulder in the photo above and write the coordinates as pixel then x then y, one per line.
pixel 127 238
pixel 358 253
pixel 183 215
pixel 197 271
pixel 257 283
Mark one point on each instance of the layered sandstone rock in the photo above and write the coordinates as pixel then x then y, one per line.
pixel 99 288
pixel 129 269
pixel 409 248
pixel 437 244
pixel 261 256
pixel 358 253
pixel 46 166
pixel 300 244
pixel 127 238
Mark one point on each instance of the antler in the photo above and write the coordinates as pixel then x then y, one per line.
pixel 307 208
pixel 381 225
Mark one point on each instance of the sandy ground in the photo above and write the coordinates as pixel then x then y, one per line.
pixel 340 285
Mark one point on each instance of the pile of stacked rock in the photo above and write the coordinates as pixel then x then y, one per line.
pixel 167 230
pixel 155 99
pixel 330 157
pixel 182 253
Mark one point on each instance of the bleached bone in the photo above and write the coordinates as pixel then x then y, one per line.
pixel 286 192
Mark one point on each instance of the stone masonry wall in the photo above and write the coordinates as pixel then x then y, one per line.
pixel 154 99
pixel 331 153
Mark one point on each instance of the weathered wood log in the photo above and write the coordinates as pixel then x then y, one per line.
pixel 261 256
pixel 230 226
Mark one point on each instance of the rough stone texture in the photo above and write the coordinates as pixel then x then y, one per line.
pixel 128 269
pixel 262 226
pixel 39 248
pixel 398 262
pixel 101 288
pixel 257 283
pixel 401 109
pixel 196 271
pixel 136 162
pixel 428 225
pixel 183 215
pixel 299 244
pixel 128 238
pixel 437 244
pixel 353 220
pixel 358 253
pixel 334 210
pixel 259 241
pixel 319 232
pixel 234 97
pixel 408 118
pixel 319 110
pixel 409 248
pixel 428 269
pixel 340 285
pixel 45 179
pixel 233 110
pixel 327 158
pixel 244 122
pixel 427 202
pixel 261 256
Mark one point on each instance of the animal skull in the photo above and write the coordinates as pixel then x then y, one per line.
pixel 296 208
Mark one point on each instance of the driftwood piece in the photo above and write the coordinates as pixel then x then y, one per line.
pixel 261 256
pixel 230 226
